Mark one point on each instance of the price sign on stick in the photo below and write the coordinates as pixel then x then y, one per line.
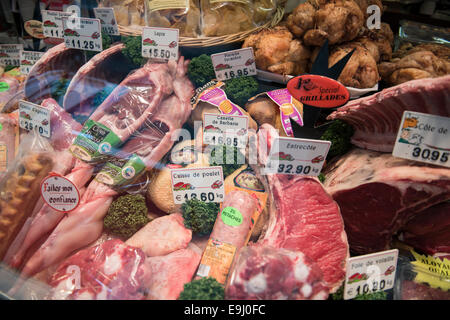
pixel 423 137
pixel 33 116
pixel 28 59
pixel 205 184
pixel 87 37
pixel 108 20
pixel 234 64
pixel 297 156
pixel 10 54
pixel 52 22
pixel 160 43
pixel 220 129
pixel 370 273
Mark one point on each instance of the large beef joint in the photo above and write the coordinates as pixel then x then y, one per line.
pixel 378 194
pixel 304 217
pixel 376 118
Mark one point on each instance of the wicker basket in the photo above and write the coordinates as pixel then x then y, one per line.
pixel 210 41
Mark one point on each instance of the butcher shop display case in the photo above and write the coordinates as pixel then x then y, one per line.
pixel 224 150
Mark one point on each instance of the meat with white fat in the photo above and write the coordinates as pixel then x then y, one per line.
pixel 109 271
pixel 107 68
pixel 266 273
pixel 378 194
pixel 305 218
pixel 57 63
pixel 376 118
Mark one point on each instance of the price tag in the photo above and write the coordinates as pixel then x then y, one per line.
pixel 219 129
pixel 28 59
pixel 234 64
pixel 10 54
pixel 205 184
pixel 297 156
pixel 370 273
pixel 160 43
pixel 87 37
pixel 32 115
pixel 108 20
pixel 60 193
pixel 423 137
pixel 52 23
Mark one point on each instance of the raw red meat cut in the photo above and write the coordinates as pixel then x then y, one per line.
pixel 57 63
pixel 85 224
pixel 378 194
pixel 109 67
pixel 418 291
pixel 376 118
pixel 304 217
pixel 167 275
pixel 162 236
pixel 429 231
pixel 109 271
pixel 265 273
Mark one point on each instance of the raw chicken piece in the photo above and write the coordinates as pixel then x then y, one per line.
pixel 167 275
pixel 417 65
pixel 266 273
pixel 162 236
pixel 276 51
pixel 109 271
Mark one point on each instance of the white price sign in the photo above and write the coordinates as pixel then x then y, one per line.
pixel 220 129
pixel 33 116
pixel 160 43
pixel 87 37
pixel 108 20
pixel 205 184
pixel 370 273
pixel 52 23
pixel 234 64
pixel 28 59
pixel 423 137
pixel 10 54
pixel 297 156
pixel 60 193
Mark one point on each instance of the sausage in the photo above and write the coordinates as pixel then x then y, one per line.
pixel 234 222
